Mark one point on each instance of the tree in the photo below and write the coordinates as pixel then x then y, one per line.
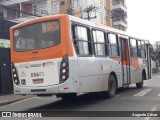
pixel 156 55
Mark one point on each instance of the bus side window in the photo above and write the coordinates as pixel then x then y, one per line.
pixel 113 45
pixel 133 48
pixel 139 48
pixel 81 40
pixel 143 50
pixel 99 43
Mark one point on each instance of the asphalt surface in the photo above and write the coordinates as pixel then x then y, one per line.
pixel 130 99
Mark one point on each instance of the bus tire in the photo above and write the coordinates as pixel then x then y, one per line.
pixel 112 87
pixel 140 84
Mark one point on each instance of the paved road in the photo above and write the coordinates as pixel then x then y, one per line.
pixel 131 99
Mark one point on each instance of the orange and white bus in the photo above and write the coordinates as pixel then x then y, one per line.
pixel 64 55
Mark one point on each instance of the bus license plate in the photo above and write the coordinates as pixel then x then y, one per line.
pixel 37 81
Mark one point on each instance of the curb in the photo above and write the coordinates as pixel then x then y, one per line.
pixel 9 102
pixel 155 73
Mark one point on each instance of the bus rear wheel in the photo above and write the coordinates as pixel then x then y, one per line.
pixel 112 86
pixel 140 84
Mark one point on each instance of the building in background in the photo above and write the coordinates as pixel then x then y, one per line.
pixel 119 14
pixel 22 10
pixel 108 12
pixel 17 10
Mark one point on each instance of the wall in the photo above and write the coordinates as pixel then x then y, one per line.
pixel 4 28
pixel 6 85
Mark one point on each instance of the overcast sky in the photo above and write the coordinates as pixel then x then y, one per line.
pixel 144 19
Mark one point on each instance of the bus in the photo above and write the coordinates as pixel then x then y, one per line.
pixel 64 55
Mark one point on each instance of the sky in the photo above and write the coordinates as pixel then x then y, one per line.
pixel 144 19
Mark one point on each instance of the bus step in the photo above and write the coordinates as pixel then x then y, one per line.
pixel 126 86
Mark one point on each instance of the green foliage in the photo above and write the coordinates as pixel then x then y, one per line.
pixel 156 55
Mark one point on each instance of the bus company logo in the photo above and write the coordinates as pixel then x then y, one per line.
pixel 44 64
pixel 22 66
pixel 35 65
pixel 47 64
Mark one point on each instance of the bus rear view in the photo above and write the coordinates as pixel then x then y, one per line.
pixel 40 56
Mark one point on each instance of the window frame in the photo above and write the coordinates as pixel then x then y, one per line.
pixel 139 49
pixel 110 45
pixel 144 49
pixel 76 3
pixel 35 24
pixel 133 47
pixel 90 44
pixel 105 42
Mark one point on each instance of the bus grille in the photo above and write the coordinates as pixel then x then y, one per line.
pixel 38 90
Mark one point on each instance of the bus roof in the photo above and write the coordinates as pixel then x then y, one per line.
pixel 81 21
pixel 102 26
pixel 94 24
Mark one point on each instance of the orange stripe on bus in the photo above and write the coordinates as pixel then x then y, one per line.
pixel 116 59
pixel 135 63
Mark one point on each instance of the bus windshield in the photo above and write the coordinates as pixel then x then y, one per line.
pixel 37 36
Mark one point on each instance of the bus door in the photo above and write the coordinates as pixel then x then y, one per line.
pixel 148 53
pixel 125 60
